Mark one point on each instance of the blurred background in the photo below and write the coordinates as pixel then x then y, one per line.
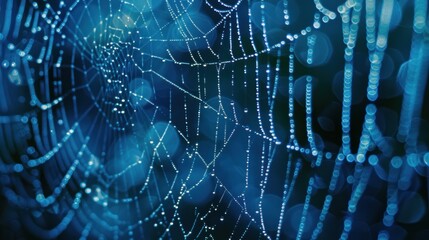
pixel 232 119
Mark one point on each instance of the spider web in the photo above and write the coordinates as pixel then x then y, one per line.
pixel 212 119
